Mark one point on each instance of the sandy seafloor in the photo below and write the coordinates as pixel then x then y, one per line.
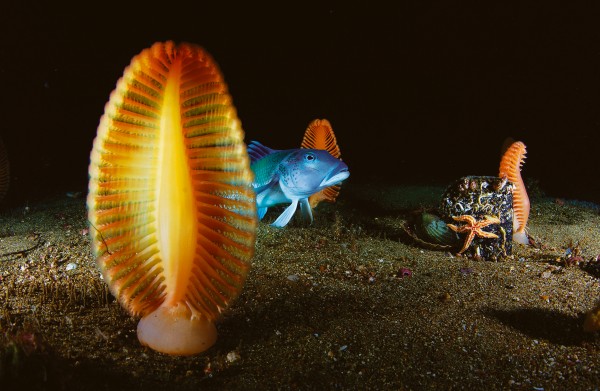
pixel 324 307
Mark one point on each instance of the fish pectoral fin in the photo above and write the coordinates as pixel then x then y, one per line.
pixel 260 196
pixel 264 192
pixel 286 216
pixel 306 210
pixel 261 212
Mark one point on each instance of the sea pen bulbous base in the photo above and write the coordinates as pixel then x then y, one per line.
pixel 174 330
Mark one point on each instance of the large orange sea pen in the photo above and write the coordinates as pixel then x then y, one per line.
pixel 170 198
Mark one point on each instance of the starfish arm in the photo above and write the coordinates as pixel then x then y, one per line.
pixel 470 220
pixel 468 241
pixel 489 235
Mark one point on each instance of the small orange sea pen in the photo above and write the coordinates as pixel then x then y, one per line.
pixel 510 168
pixel 170 198
pixel 4 171
pixel 319 135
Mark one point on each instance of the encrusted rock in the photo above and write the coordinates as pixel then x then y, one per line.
pixel 482 197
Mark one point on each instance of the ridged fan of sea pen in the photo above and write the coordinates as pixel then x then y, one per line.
pixel 4 171
pixel 170 203
pixel 510 167
pixel 319 135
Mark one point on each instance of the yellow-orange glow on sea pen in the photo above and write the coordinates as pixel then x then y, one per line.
pixel 319 135
pixel 170 202
pixel 510 167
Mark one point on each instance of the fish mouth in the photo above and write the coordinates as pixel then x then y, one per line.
pixel 336 178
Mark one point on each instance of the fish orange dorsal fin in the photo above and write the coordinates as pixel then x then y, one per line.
pixel 4 171
pixel 510 167
pixel 319 135
pixel 170 197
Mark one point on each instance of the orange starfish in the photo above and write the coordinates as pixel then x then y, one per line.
pixel 474 228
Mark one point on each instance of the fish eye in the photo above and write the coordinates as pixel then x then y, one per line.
pixel 309 157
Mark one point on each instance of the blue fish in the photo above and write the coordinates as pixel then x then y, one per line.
pixel 291 176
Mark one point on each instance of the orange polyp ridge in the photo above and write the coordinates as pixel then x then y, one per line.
pixel 4 171
pixel 164 86
pixel 319 135
pixel 510 167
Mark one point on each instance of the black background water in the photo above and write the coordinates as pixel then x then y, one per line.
pixel 420 93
